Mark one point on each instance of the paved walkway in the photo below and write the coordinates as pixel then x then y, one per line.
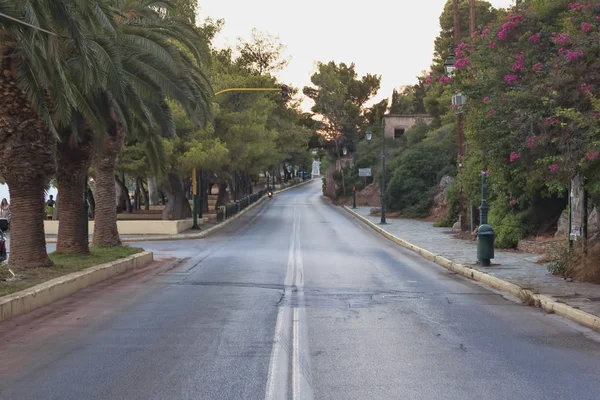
pixel 515 267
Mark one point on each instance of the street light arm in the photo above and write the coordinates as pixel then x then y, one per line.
pixel 248 90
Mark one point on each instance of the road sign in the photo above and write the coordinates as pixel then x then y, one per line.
pixel 364 172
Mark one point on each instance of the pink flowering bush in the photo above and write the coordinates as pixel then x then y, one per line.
pixel 592 156
pixel 535 38
pixel 461 63
pixel 585 88
pixel 445 80
pixel 514 156
pixel 510 79
pixel 519 62
pixel 574 55
pixel 553 168
pixel 537 67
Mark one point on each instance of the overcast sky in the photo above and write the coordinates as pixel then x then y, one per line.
pixel 391 38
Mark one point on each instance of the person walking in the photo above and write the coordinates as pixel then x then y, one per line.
pixel 50 207
pixel 5 210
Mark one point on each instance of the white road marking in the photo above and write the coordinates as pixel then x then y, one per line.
pixel 291 324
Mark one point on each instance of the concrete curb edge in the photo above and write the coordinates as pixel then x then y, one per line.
pixel 544 302
pixel 200 234
pixel 37 296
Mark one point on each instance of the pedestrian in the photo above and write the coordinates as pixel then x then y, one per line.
pixel 51 201
pixel 50 207
pixel 5 210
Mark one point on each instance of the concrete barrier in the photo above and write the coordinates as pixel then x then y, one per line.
pixel 135 227
pixel 48 292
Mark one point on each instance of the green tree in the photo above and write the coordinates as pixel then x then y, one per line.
pixel 262 54
pixel 339 97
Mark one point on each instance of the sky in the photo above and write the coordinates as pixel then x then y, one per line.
pixel 393 39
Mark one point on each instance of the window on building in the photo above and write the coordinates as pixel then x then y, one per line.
pixel 398 132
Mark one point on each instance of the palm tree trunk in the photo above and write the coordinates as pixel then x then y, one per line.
pixel 27 162
pixel 106 233
pixel 27 237
pixel 74 162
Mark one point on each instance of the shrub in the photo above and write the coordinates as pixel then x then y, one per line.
pixel 558 259
pixel 414 178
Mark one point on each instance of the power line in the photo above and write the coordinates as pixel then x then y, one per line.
pixel 27 24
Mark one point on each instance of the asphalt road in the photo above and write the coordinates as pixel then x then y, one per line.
pixel 294 300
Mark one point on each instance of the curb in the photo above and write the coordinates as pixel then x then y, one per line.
pixel 544 302
pixel 48 292
pixel 201 234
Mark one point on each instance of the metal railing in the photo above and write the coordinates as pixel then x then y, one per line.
pixel 229 210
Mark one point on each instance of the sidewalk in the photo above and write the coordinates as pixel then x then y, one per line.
pixel 514 267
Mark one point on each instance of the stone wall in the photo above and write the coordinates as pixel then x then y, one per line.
pixel 393 122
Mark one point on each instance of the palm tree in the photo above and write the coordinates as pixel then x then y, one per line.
pixel 150 58
pixel 38 100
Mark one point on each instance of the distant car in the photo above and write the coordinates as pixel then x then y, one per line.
pixel 304 174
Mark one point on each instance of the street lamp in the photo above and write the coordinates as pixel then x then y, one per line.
pixel 450 61
pixel 369 137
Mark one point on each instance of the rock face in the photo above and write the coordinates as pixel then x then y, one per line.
pixel 441 198
pixel 440 201
pixel 593 223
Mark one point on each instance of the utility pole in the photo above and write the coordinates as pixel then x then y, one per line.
pixel 472 18
pixel 459 123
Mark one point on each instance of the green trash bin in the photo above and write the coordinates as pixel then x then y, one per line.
pixel 485 244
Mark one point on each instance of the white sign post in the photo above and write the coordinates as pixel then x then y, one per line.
pixel 364 172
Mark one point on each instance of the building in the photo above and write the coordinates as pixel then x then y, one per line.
pixel 397 125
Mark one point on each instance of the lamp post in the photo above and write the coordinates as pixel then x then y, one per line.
pixel 458 100
pixel 369 137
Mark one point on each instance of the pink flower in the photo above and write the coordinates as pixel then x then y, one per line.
pixel 445 79
pixel 550 121
pixel 485 32
pixel 574 55
pixel 513 202
pixel 585 88
pixel 553 168
pixel 591 156
pixel 597 17
pixel 531 141
pixel 510 79
pixel 429 80
pixel 562 39
pixel 461 63
pixel 586 27
pixel 492 44
pixel 514 156
pixel 519 63
pixel 596 114
pixel 486 173
pixel 460 157
pixel 535 38
pixel 490 113
pixel 459 50
pixel 537 67
pixel 486 100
